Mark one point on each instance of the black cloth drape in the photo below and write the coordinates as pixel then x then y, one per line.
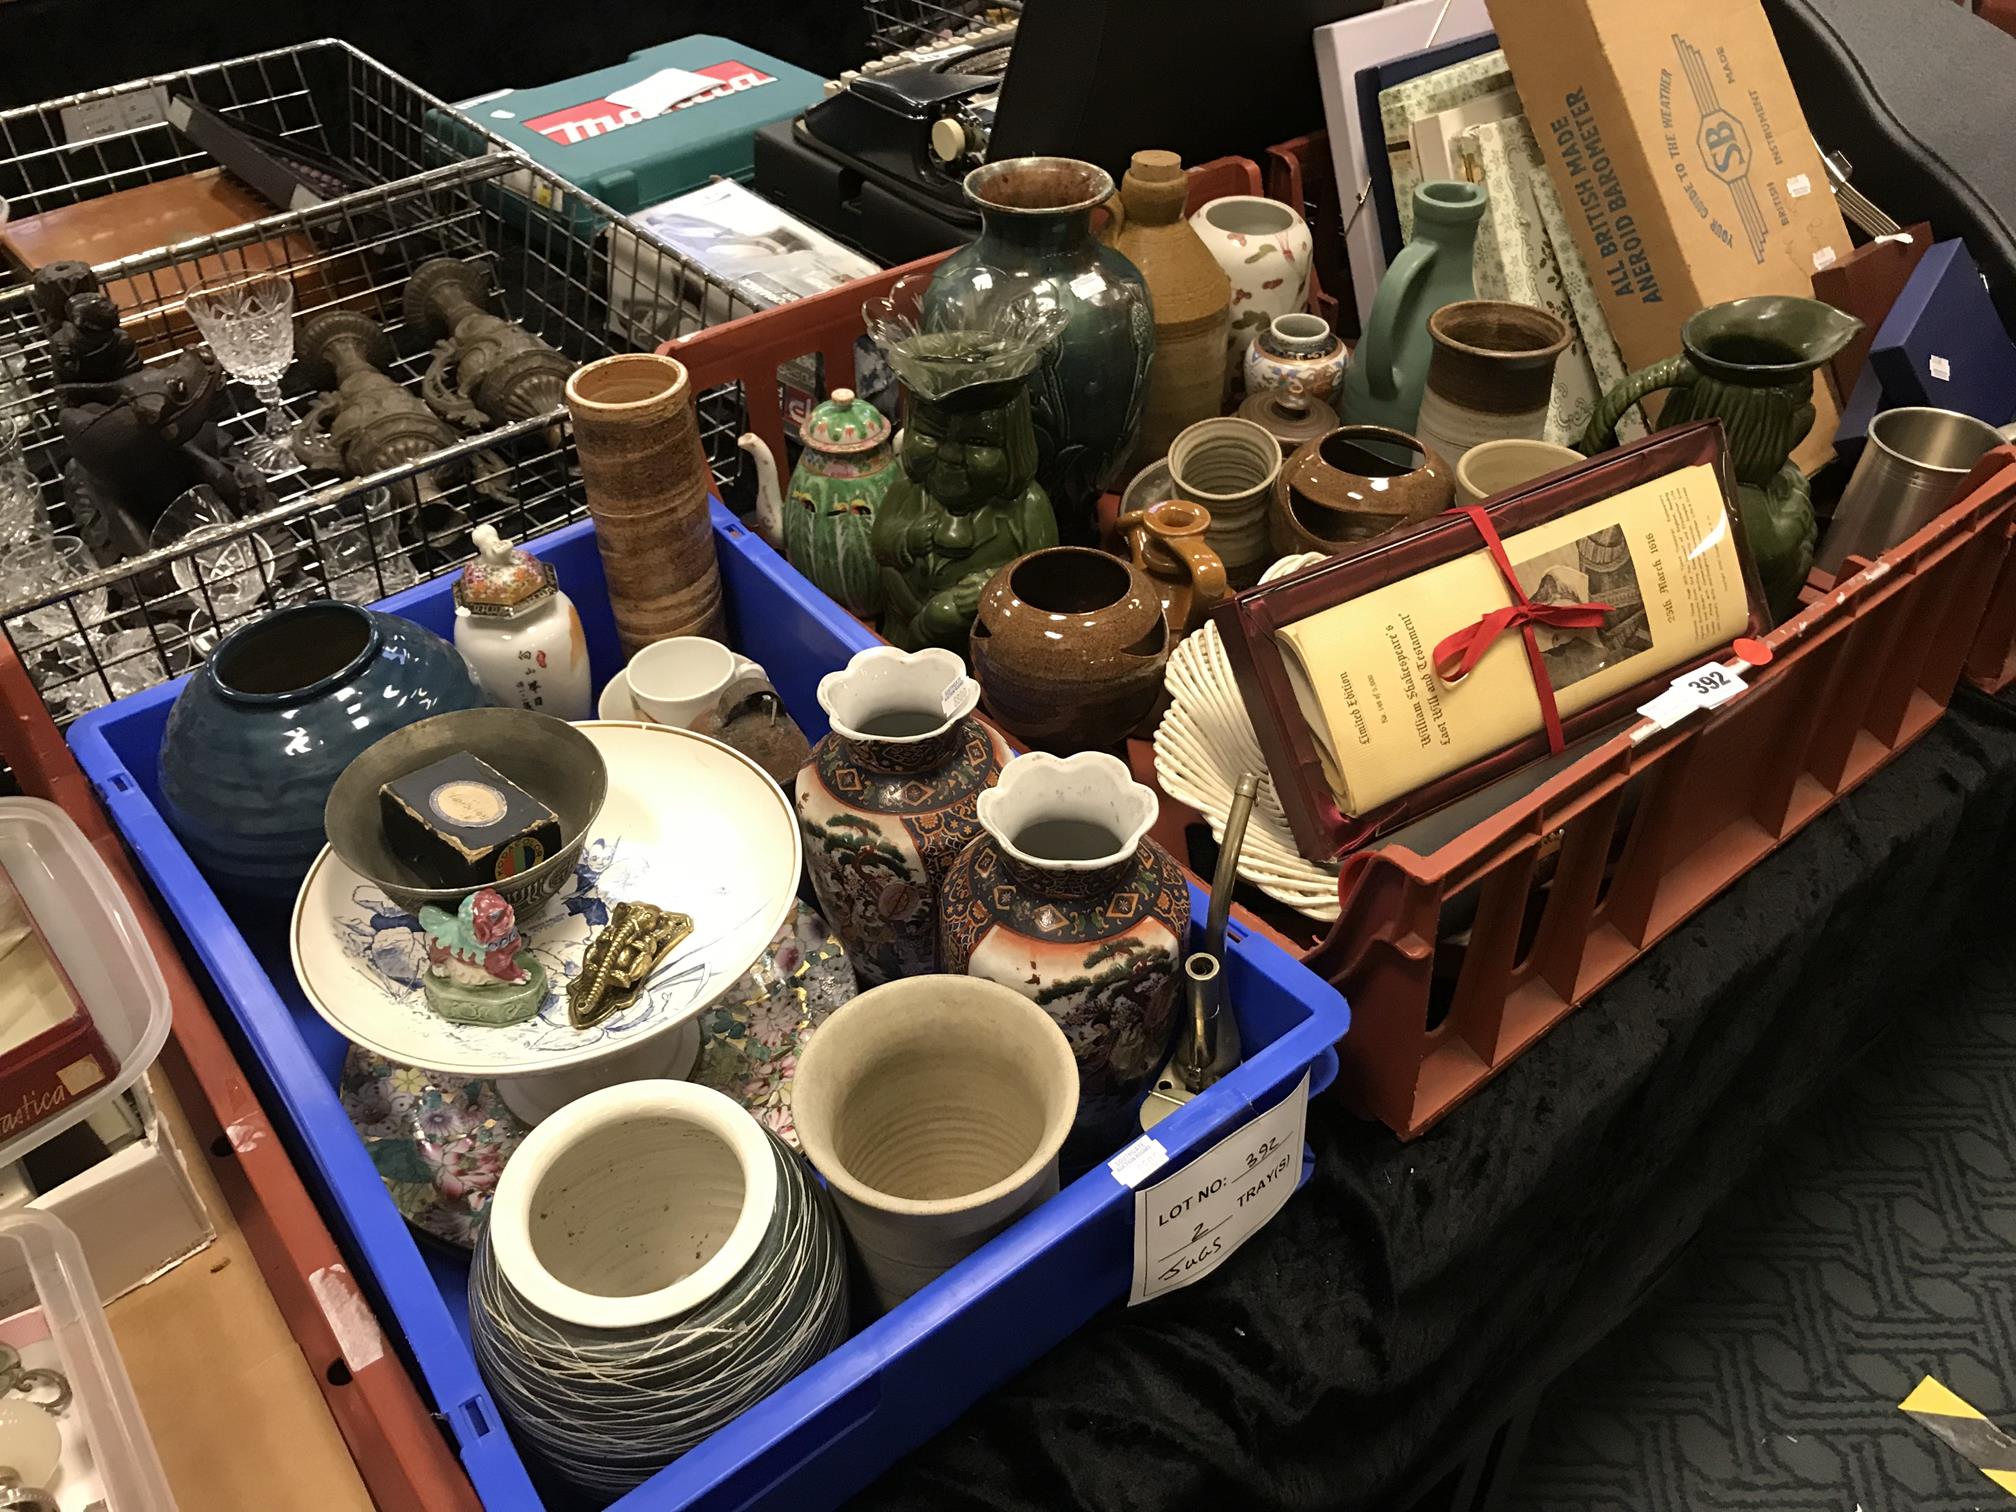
pixel 1411 1295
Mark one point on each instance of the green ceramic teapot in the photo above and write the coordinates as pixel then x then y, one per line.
pixel 825 522
pixel 1750 363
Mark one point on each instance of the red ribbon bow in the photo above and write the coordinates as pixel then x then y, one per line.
pixel 1456 656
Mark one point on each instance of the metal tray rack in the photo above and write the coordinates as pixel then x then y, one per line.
pixel 326 95
pixel 545 246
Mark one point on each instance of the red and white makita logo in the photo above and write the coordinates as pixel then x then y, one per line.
pixel 577 123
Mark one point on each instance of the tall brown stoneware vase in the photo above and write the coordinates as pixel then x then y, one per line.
pixel 638 439
pixel 1189 292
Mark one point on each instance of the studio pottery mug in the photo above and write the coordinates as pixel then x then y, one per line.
pixel 1750 364
pixel 1491 375
pixel 935 1108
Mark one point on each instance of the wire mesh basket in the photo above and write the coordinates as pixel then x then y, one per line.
pixel 897 25
pixel 325 97
pixel 89 633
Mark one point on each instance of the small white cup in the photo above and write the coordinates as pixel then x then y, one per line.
pixel 675 681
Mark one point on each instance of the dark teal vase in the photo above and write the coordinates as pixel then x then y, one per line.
pixel 263 729
pixel 1087 398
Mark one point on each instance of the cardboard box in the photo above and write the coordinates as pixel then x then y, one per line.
pixel 136 1212
pixel 1682 159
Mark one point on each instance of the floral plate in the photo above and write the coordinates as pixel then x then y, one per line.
pixel 689 825
pixel 440 1141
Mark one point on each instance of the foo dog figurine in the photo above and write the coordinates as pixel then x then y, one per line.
pixel 486 370
pixel 478 971
pixel 86 344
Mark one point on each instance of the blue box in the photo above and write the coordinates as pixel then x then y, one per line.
pixel 827 1433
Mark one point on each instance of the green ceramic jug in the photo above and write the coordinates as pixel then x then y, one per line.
pixel 825 522
pixel 1750 363
pixel 1390 368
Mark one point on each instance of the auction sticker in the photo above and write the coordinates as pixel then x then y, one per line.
pixel 1188 1224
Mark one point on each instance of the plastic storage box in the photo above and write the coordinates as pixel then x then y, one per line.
pixel 52 1318
pixel 93 936
pixel 825 1434
pixel 613 133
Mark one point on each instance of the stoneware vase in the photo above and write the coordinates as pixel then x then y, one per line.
pixel 1491 374
pixel 1068 648
pixel 1067 900
pixel 1264 248
pixel 825 522
pixel 1358 482
pixel 1088 396
pixel 935 1109
pixel 1168 542
pixel 1229 466
pixel 1299 352
pixel 1750 363
pixel 1190 294
pixel 1390 367
pixel 1490 469
pixel 646 479
pixel 890 797
pixel 262 730
pixel 632 1232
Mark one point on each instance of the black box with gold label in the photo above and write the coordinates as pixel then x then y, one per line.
pixel 458 822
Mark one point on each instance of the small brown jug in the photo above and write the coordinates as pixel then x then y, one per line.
pixel 1167 540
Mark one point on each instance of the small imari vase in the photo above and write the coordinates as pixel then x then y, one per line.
pixel 1065 899
pixel 889 798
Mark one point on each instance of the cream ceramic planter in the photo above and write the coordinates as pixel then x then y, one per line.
pixel 935 1108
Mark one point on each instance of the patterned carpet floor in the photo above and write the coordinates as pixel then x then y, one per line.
pixel 1874 1247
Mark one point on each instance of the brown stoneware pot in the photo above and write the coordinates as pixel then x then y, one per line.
pixel 1068 647
pixel 1358 482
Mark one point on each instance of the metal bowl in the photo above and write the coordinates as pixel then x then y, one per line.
pixel 547 757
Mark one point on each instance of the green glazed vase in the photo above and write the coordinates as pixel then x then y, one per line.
pixel 1390 368
pixel 826 518
pixel 1750 364
pixel 967 503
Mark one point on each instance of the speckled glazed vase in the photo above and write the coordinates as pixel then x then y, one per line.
pixel 1066 900
pixel 1264 248
pixel 890 797
pixel 1088 396
pixel 646 478
pixel 1069 646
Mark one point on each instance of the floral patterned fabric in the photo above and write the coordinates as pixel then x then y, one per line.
pixel 440 1142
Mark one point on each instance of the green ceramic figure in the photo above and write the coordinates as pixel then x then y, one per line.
pixel 826 522
pixel 1390 368
pixel 1750 363
pixel 967 501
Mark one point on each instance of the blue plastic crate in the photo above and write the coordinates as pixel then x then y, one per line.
pixel 830 1431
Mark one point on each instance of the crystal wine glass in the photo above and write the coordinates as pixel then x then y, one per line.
pixel 248 319
pixel 226 579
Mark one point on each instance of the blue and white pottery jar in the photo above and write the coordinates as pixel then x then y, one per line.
pixel 1298 352
pixel 263 729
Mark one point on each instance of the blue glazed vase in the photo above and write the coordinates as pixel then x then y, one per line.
pixel 1088 396
pixel 263 729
